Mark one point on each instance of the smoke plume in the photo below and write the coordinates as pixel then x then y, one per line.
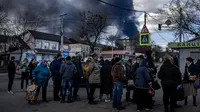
pixel 51 9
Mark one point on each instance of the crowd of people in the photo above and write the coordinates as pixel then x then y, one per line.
pixel 138 75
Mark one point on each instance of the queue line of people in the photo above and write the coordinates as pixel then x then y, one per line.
pixel 111 76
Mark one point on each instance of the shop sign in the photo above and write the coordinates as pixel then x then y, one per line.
pixel 184 44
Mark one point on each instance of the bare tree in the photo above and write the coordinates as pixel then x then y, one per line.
pixel 111 39
pixel 3 20
pixel 92 26
pixel 185 17
pixel 28 20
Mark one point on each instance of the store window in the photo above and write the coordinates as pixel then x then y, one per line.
pixel 38 44
pixel 46 45
pixel 53 46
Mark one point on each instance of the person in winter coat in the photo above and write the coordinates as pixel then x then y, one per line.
pixel 32 65
pixel 171 77
pixel 11 74
pixel 41 77
pixel 142 83
pixel 77 79
pixel 56 76
pixel 93 76
pixel 117 76
pixel 85 69
pixel 128 77
pixel 106 80
pixel 198 66
pixel 101 62
pixel 134 67
pixel 190 75
pixel 175 60
pixel 151 67
pixel 68 72
pixel 24 73
pixel 150 64
pixel 113 59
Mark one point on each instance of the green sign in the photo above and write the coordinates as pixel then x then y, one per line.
pixel 145 39
pixel 183 44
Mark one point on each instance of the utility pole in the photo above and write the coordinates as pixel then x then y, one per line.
pixel 181 22
pixel 145 18
pixel 62 32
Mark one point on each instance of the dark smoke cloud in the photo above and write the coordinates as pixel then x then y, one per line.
pixel 53 8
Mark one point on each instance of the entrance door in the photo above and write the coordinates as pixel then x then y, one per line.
pixel 195 56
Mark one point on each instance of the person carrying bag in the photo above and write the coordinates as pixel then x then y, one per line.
pixel 190 77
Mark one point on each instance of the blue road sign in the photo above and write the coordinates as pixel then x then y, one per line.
pixel 145 39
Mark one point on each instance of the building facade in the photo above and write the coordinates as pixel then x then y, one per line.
pixel 190 48
pixel 42 45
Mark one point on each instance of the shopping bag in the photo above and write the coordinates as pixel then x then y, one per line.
pixel 156 85
pixel 197 83
pixel 151 91
pixel 192 77
pixel 180 93
pixel 31 92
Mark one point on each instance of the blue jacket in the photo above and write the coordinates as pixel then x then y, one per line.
pixel 68 71
pixel 142 77
pixel 41 74
pixel 55 67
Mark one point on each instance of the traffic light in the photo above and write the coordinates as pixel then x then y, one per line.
pixel 159 26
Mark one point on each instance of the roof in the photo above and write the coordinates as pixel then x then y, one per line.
pixel 24 44
pixel 75 41
pixel 48 36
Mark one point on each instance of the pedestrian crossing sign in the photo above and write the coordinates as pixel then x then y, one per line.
pixel 145 39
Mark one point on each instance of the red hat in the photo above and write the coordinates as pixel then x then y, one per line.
pixel 190 59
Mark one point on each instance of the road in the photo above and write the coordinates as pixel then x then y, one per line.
pixel 17 102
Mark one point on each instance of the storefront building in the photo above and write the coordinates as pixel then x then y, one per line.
pixel 190 48
pixel 43 45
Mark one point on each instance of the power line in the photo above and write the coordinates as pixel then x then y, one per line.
pixel 119 6
pixel 127 9
pixel 154 18
pixel 157 32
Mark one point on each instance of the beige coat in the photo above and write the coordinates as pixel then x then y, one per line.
pixel 93 73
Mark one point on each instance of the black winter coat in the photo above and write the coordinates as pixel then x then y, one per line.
pixel 11 68
pixel 106 79
pixel 31 67
pixel 192 70
pixel 152 68
pixel 170 75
